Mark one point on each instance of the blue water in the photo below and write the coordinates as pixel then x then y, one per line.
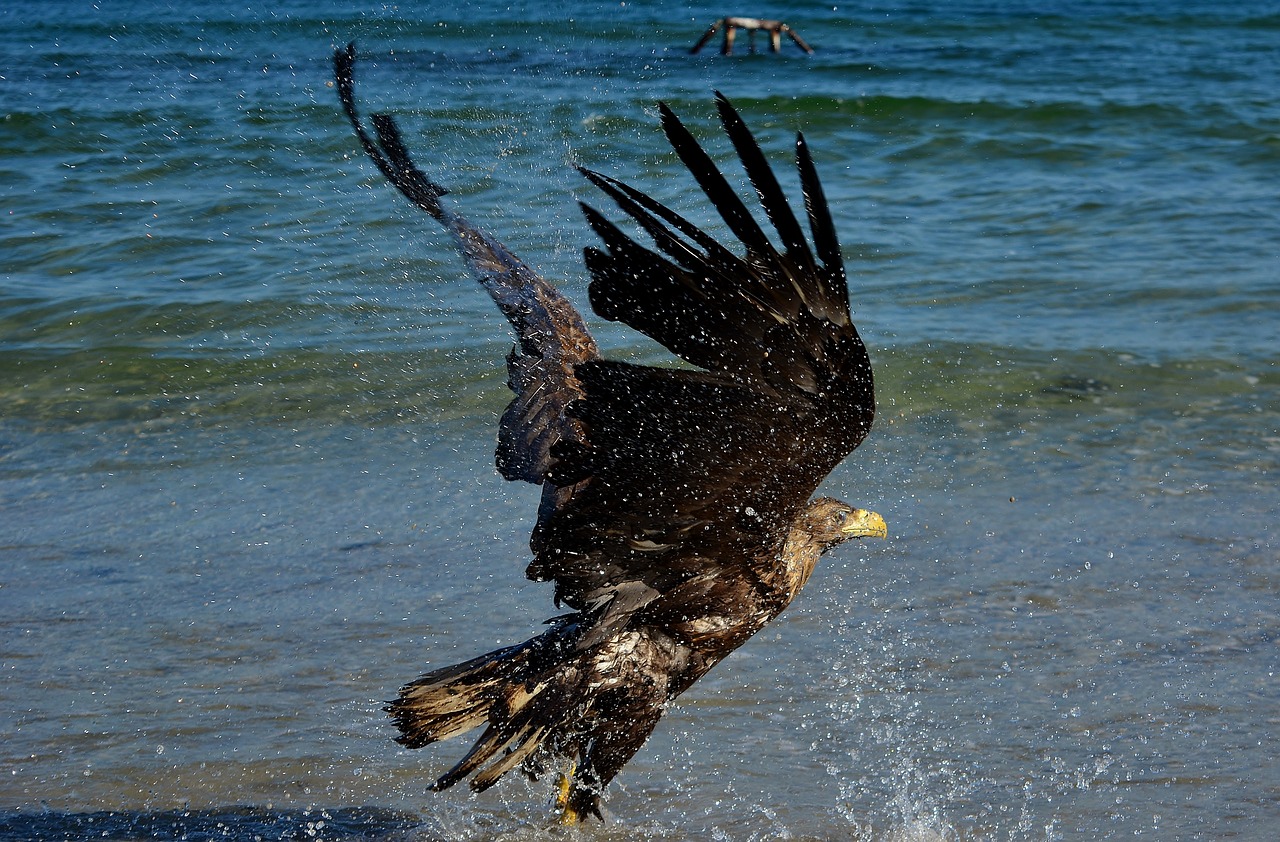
pixel 248 398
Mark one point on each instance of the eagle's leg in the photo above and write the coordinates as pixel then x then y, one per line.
pixel 578 794
pixel 564 783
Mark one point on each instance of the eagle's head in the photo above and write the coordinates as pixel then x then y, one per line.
pixel 829 522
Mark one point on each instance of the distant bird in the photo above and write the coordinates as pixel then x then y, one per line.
pixel 675 518
pixel 731 25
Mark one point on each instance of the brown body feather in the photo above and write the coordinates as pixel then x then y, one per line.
pixel 676 518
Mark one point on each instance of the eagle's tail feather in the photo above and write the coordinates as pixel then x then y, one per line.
pixel 453 700
pixel 517 692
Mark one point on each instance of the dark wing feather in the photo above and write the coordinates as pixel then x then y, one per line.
pixel 731 208
pixel 391 156
pixel 552 337
pixel 771 197
pixel 671 304
pixel 831 278
pixel 655 217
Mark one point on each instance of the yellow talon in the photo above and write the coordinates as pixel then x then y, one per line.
pixel 564 783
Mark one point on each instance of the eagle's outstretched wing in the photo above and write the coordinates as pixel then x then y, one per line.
pixel 553 339
pixel 690 471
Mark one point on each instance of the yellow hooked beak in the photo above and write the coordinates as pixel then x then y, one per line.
pixel 862 523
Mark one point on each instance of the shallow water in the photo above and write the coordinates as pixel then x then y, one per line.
pixel 246 483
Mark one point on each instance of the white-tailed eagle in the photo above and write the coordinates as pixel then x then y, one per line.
pixel 676 518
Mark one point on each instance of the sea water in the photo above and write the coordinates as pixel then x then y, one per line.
pixel 248 399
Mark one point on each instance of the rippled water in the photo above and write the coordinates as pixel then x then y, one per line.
pixel 246 482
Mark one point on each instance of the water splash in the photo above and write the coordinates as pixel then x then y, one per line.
pixel 896 776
